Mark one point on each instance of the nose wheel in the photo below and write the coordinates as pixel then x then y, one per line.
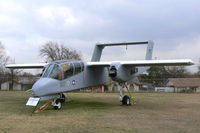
pixel 57 103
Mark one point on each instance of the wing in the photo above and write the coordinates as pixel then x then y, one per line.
pixel 180 62
pixel 141 63
pixel 26 66
pixel 102 64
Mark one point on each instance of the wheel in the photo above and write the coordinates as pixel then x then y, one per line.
pixel 62 99
pixel 126 100
pixel 57 104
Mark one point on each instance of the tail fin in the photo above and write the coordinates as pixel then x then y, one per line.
pixel 149 51
pixel 97 53
pixel 99 48
pixel 149 54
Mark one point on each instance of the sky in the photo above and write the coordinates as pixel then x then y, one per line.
pixel 173 25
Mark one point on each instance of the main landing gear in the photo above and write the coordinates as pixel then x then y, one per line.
pixel 127 99
pixel 57 103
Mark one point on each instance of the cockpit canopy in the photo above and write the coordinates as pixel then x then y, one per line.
pixel 60 71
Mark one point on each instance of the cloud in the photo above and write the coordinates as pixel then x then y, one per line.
pixel 52 14
pixel 173 25
pixel 185 49
pixel 188 48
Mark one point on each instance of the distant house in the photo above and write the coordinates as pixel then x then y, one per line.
pixel 184 84
pixel 20 83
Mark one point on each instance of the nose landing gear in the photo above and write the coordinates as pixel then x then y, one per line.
pixel 57 103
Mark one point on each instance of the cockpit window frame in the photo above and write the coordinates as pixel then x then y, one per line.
pixel 77 68
pixel 71 68
pixel 46 69
pixel 56 72
pixel 53 65
pixel 80 66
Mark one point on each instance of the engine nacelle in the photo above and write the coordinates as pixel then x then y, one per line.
pixel 121 73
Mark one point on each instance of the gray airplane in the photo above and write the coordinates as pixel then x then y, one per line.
pixel 68 75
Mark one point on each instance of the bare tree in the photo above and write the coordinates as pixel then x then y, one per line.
pixel 53 51
pixel 4 58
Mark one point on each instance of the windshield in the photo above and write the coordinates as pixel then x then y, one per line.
pixel 48 70
pixel 56 73
pixel 53 71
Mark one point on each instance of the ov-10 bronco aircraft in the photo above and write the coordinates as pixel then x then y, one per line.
pixel 68 75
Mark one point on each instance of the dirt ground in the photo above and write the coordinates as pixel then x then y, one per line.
pixel 102 112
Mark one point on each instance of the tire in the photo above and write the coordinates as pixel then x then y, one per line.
pixel 58 104
pixel 126 100
pixel 56 107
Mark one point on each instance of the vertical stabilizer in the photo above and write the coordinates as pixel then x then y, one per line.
pixel 97 53
pixel 149 54
pixel 149 51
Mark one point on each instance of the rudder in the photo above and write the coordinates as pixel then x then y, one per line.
pixel 149 51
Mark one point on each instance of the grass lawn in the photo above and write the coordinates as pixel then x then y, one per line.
pixel 102 112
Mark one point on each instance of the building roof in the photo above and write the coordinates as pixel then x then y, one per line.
pixel 184 82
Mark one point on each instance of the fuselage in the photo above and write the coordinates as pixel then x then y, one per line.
pixel 63 76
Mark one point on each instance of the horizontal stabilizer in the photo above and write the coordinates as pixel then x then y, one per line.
pixel 120 44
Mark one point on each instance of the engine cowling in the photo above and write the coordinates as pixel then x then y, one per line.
pixel 121 73
pixel 113 72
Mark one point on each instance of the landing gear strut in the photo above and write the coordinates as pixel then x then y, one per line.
pixel 62 98
pixel 126 100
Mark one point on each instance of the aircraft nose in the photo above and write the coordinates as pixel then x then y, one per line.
pixel 33 91
pixel 37 86
pixel 44 86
